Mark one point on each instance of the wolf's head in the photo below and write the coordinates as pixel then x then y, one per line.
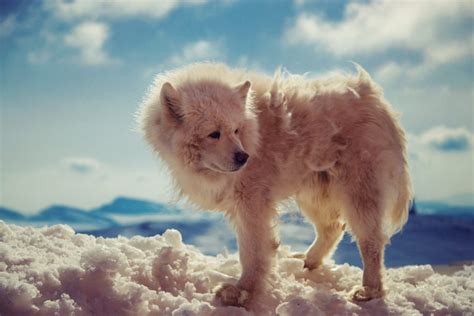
pixel 204 124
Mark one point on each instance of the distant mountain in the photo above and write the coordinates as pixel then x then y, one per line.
pixel 441 208
pixel 436 228
pixel 465 199
pixel 129 206
pixel 121 211
pixel 434 239
pixel 147 229
pixel 69 215
pixel 211 234
pixel 10 215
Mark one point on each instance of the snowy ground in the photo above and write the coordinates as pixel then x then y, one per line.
pixel 53 270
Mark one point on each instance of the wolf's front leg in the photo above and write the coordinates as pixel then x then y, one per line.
pixel 257 247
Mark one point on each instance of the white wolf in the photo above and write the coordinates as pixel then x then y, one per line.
pixel 241 142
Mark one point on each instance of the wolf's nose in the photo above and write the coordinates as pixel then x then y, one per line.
pixel 240 157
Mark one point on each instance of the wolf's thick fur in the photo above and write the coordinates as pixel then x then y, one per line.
pixel 334 145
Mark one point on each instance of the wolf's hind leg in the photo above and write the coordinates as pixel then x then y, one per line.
pixel 366 227
pixel 329 235
pixel 329 230
pixel 371 250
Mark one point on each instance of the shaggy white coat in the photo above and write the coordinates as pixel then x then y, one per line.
pixel 334 145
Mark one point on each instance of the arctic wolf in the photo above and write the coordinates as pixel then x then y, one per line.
pixel 240 142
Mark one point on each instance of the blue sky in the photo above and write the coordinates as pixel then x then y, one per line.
pixel 74 72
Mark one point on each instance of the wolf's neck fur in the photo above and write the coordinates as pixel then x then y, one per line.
pixel 207 189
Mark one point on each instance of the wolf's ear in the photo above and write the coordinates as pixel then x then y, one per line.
pixel 171 103
pixel 243 89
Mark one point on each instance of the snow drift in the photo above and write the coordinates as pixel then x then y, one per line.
pixel 53 270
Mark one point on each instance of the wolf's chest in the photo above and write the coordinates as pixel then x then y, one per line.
pixel 209 195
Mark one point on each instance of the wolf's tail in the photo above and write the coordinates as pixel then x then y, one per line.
pixel 400 210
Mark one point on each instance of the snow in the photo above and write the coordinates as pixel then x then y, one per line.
pixel 53 270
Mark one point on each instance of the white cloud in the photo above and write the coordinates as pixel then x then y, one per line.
pixel 250 63
pixel 448 139
pixel 201 50
pixel 7 26
pixel 197 51
pixel 426 105
pixel 68 10
pixel 389 71
pixel 89 38
pixel 44 53
pixel 38 57
pixel 430 28
pixel 81 165
pixel 433 58
pixel 441 162
pixel 299 2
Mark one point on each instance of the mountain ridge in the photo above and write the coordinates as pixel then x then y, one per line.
pixel 128 206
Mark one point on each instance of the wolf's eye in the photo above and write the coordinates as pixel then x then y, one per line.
pixel 236 131
pixel 215 135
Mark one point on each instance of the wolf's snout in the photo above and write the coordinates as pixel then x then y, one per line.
pixel 240 158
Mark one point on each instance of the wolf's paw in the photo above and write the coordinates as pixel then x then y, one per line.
pixel 231 295
pixel 308 263
pixel 298 255
pixel 312 265
pixel 364 293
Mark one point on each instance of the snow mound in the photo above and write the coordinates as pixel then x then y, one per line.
pixel 54 271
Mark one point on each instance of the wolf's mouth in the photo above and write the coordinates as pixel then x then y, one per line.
pixel 216 168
